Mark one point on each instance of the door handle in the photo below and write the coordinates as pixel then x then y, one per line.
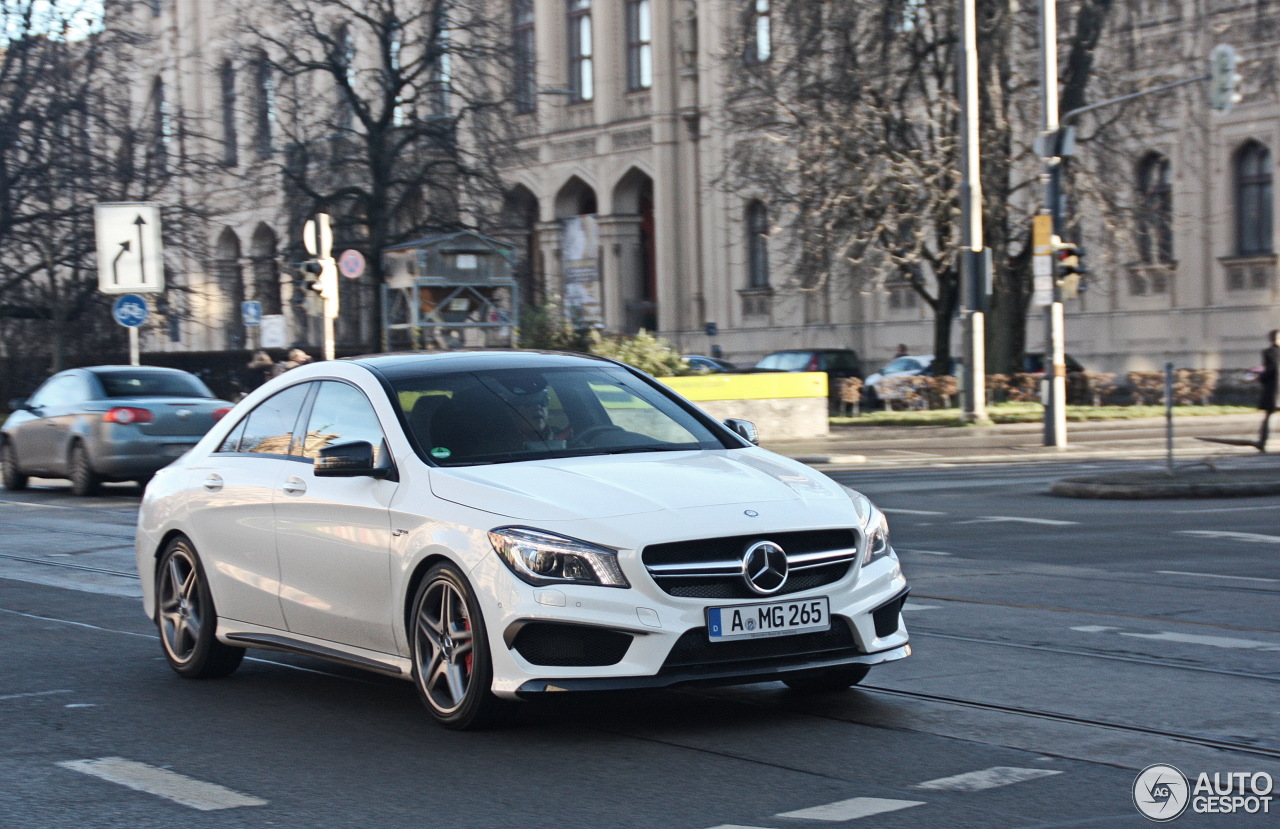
pixel 213 483
pixel 294 486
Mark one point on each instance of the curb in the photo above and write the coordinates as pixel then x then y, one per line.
pixel 1088 488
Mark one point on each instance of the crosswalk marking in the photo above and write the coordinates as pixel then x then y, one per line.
pixel 976 781
pixel 1049 522
pixel 1234 536
pixel 913 606
pixel 851 809
pixel 1187 638
pixel 1216 576
pixel 170 785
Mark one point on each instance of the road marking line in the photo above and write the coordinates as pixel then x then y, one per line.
pixel 851 809
pixel 891 511
pixel 170 785
pixel 1234 509
pixel 31 694
pixel 1188 638
pixel 1051 522
pixel 914 606
pixel 1211 641
pixel 1235 536
pixel 1217 576
pixel 926 552
pixel 976 781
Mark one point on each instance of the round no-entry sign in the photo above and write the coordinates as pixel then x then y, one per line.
pixel 130 310
pixel 351 263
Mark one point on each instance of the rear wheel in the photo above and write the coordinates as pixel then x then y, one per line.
pixel 186 616
pixel 829 679
pixel 84 481
pixel 451 666
pixel 14 479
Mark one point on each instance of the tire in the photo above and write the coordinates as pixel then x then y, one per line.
pixel 452 669
pixel 14 479
pixel 828 679
pixel 84 481
pixel 187 618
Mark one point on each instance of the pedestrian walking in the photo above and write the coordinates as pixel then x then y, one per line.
pixel 297 357
pixel 261 369
pixel 1269 399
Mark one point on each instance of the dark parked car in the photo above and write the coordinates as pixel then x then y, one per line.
pixel 106 423
pixel 838 363
pixel 711 365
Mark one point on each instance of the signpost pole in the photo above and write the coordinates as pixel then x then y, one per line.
pixel 1055 411
pixel 135 352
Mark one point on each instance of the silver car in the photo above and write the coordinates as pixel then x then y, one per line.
pixel 106 423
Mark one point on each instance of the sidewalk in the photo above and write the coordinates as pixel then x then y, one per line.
pixel 1202 469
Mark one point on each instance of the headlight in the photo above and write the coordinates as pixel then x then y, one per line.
pixel 542 558
pixel 874 525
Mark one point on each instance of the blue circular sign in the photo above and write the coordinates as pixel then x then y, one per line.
pixel 130 310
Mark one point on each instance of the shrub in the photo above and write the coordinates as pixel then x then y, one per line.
pixel 1190 386
pixel 644 351
pixel 543 327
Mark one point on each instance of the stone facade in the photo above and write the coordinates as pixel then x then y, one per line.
pixel 638 145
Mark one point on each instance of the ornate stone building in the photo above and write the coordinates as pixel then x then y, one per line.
pixel 619 205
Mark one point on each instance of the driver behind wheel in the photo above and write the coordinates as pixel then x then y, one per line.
pixel 526 401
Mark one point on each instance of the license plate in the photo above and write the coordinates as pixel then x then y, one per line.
pixel 752 621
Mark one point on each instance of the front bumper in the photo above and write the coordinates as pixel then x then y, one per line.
pixel 664 638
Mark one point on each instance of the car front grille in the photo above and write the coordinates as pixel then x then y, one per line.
pixel 711 568
pixel 693 649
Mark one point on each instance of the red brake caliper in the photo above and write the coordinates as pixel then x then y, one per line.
pixel 466 625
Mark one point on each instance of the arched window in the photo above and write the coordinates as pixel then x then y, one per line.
pixel 581 75
pixel 228 81
pixel 757 245
pixel 1253 200
pixel 344 75
pixel 1155 210
pixel 525 53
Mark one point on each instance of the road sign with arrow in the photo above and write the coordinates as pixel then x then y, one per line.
pixel 130 255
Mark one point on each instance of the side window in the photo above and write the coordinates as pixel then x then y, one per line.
pixel 268 429
pixel 232 442
pixel 341 414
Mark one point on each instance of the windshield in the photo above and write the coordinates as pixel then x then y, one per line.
pixel 786 361
pixel 151 384
pixel 902 364
pixel 525 414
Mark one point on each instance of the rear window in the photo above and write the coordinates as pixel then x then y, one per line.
pixel 152 384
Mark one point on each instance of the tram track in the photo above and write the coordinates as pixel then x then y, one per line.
pixel 1053 716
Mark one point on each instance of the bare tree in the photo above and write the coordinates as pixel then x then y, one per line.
pixel 850 127
pixel 389 114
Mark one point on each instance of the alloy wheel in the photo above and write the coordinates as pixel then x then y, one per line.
pixel 444 646
pixel 181 608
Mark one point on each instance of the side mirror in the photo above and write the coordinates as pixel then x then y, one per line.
pixel 18 404
pixel 744 429
pixel 349 460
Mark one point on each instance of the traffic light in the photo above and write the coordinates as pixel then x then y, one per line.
pixel 311 271
pixel 1224 80
pixel 321 276
pixel 1068 270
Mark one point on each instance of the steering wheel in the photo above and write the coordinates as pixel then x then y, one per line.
pixel 595 431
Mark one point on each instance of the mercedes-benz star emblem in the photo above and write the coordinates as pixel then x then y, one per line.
pixel 764 567
pixel 183 414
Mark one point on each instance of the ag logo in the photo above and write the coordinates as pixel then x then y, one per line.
pixel 1160 792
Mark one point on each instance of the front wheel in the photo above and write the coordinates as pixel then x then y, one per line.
pixel 84 481
pixel 14 479
pixel 828 679
pixel 186 616
pixel 451 666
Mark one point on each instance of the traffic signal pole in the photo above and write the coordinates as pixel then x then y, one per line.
pixel 973 263
pixel 1055 369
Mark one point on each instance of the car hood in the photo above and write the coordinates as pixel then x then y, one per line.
pixel 611 485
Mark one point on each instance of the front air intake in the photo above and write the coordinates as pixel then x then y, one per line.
pixel 560 645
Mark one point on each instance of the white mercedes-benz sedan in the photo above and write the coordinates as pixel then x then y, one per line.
pixel 498 525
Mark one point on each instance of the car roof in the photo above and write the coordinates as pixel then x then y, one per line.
pixel 130 369
pixel 813 351
pixel 417 363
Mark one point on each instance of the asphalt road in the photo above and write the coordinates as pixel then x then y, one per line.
pixel 1060 647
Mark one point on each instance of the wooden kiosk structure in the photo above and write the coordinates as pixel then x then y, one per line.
pixel 449 290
